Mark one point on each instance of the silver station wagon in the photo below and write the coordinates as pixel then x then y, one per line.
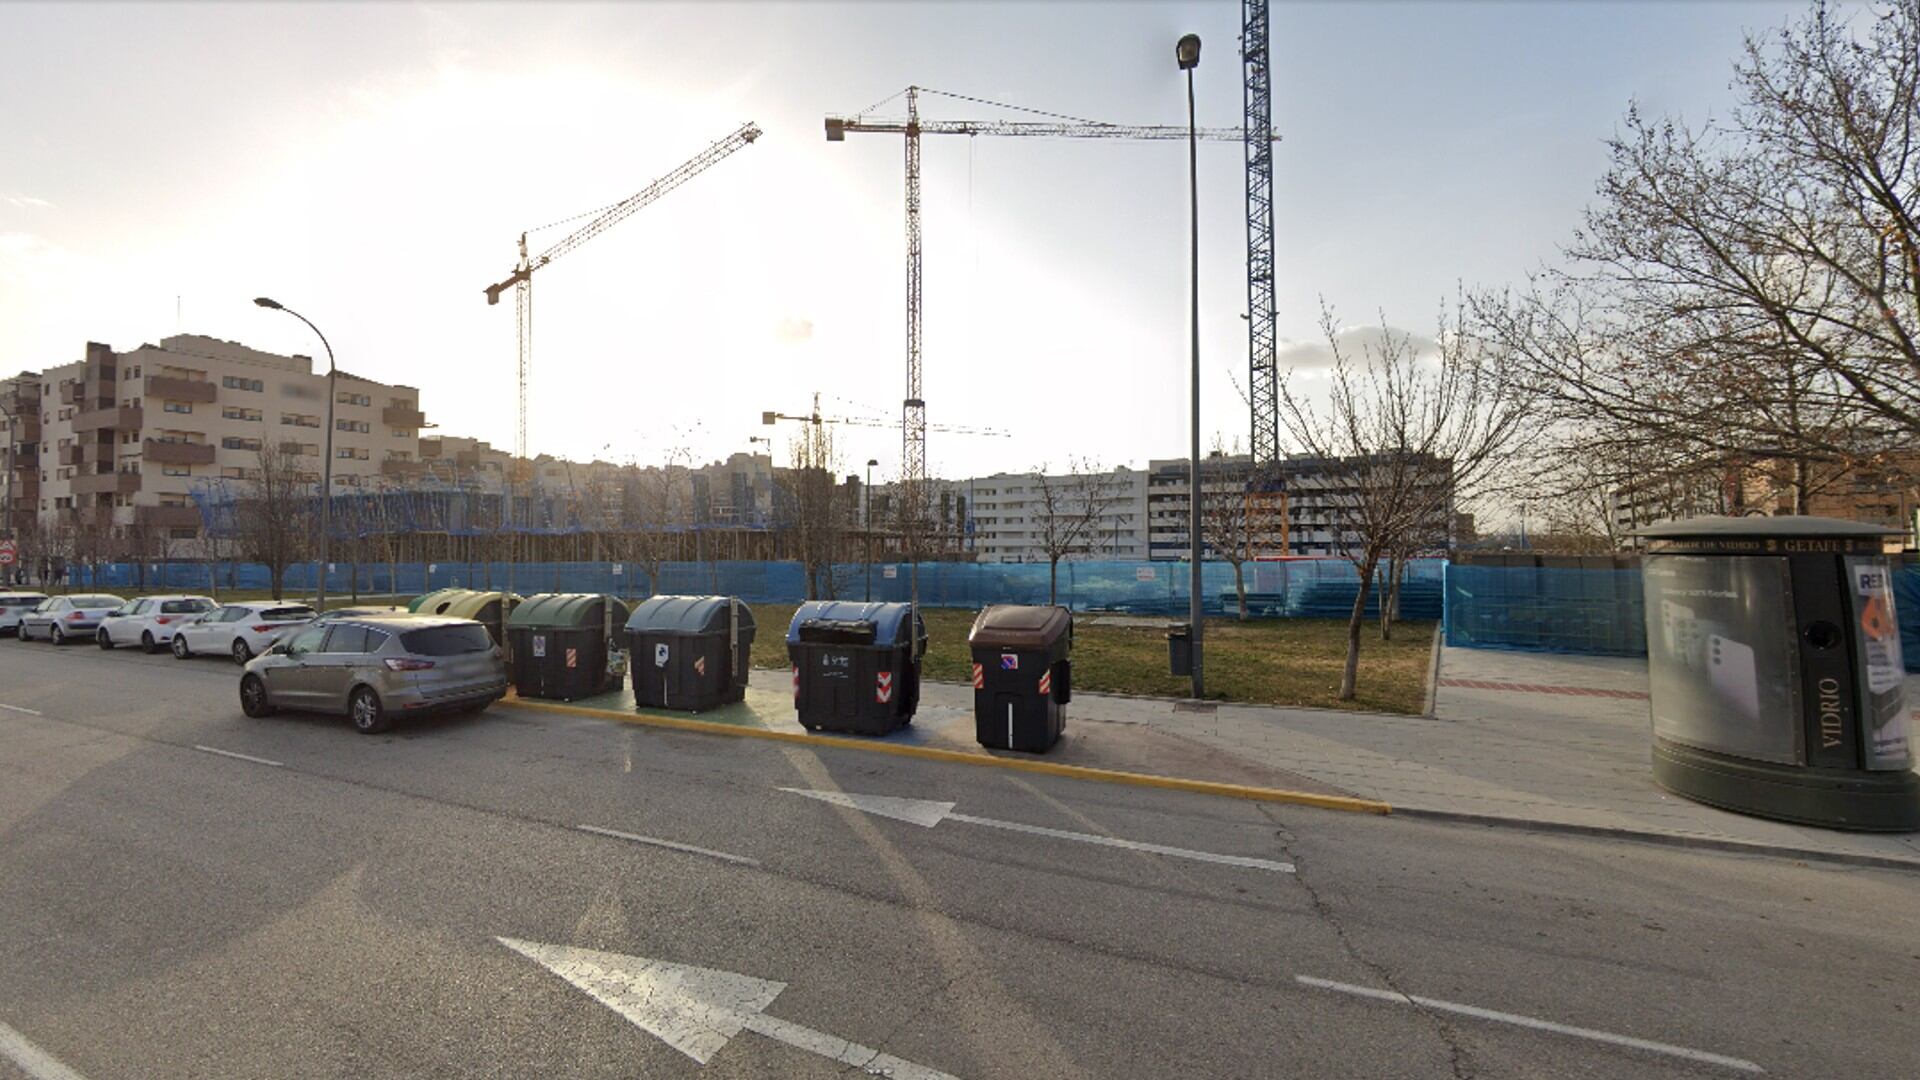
pixel 376 668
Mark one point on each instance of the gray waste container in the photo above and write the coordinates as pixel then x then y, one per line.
pixel 856 667
pixel 690 652
pixel 1774 670
pixel 1022 675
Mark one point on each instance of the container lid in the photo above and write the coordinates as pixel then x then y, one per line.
pixel 1785 526
pixel 1017 626
pixel 566 610
pixel 889 620
pixel 688 614
pixel 435 602
pixel 471 604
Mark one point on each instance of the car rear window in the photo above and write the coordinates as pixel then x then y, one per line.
pixel 97 601
pixel 447 640
pixel 283 614
pixel 182 607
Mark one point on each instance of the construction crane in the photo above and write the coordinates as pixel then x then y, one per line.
pixel 816 419
pixel 521 280
pixel 913 414
pixel 1263 378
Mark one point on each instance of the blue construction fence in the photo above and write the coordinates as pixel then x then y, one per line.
pixel 1598 611
pixel 1316 588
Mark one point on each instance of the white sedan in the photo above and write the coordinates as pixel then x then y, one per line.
pixel 241 631
pixel 150 621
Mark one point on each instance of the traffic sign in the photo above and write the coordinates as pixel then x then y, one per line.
pixel 8 552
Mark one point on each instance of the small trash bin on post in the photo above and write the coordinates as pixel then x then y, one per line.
pixel 1775 677
pixel 1022 677
pixel 1180 648
pixel 856 667
pixel 689 652
pixel 562 644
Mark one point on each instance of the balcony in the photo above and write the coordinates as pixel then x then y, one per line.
pixel 26 427
pixel 403 416
pixel 167 388
pixel 69 392
pixel 178 453
pixel 72 454
pixel 126 417
pixel 107 483
pixel 402 470
pixel 167 517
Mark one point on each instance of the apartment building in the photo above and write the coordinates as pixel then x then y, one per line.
pixel 20 407
pixel 126 437
pixel 1315 499
pixel 1010 514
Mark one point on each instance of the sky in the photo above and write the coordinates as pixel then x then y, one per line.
pixel 372 166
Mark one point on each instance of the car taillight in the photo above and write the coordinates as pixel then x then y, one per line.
pixel 165 619
pixel 396 664
pixel 76 616
pixel 263 628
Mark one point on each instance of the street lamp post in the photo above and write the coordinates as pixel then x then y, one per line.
pixel 326 462
pixel 1187 53
pixel 866 522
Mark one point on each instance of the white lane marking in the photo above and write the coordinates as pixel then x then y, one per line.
pixel 671 845
pixel 1478 1013
pixel 697 1010
pixel 1130 845
pixel 241 757
pixel 16 708
pixel 35 1062
pixel 927 813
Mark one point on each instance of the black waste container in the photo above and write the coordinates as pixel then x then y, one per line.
pixel 1022 676
pixel 1775 678
pixel 856 667
pixel 690 652
pixel 560 644
pixel 1180 648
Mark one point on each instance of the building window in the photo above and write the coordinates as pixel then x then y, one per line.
pixel 352 399
pixel 358 426
pixel 236 442
pixel 299 420
pixel 235 382
pixel 402 433
pixel 178 406
pixel 235 412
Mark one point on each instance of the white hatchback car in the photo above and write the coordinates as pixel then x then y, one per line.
pixel 242 631
pixel 14 605
pixel 150 621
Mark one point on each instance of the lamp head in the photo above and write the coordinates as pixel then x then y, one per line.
pixel 267 303
pixel 1187 52
pixel 871 462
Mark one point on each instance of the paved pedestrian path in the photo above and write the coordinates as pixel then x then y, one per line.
pixel 1527 739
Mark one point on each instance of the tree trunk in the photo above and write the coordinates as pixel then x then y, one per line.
pixel 1390 602
pixel 277 573
pixel 1053 580
pixel 1349 675
pixel 1240 587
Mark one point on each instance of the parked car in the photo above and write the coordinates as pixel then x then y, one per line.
pixel 242 631
pixel 61 619
pixel 14 605
pixel 336 614
pixel 150 621
pixel 378 667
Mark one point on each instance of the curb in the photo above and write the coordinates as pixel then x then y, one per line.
pixel 1433 673
pixel 961 757
pixel 1678 840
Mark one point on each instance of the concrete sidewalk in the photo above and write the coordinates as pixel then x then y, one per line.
pixel 1519 738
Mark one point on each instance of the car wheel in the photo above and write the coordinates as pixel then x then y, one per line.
pixel 149 645
pixel 105 639
pixel 253 697
pixel 369 717
pixel 59 636
pixel 180 650
pixel 241 653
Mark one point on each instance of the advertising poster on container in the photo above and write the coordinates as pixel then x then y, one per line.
pixel 1882 670
pixel 1720 661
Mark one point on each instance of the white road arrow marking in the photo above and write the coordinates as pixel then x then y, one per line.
pixel 926 813
pixel 35 1062
pixel 698 1010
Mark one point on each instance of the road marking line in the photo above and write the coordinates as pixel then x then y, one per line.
pixel 242 757
pixel 671 845
pixel 32 1060
pixel 1130 845
pixel 1398 998
pixel 16 708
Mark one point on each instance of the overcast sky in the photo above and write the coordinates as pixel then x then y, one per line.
pixel 373 166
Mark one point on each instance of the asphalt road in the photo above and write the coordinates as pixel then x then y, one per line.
pixel 335 909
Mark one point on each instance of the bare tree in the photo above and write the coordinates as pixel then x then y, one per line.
pixel 817 510
pixel 1072 514
pixel 1241 518
pixel 1403 434
pixel 1747 292
pixel 274 512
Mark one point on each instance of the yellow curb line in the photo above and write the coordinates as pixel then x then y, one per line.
pixel 961 757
